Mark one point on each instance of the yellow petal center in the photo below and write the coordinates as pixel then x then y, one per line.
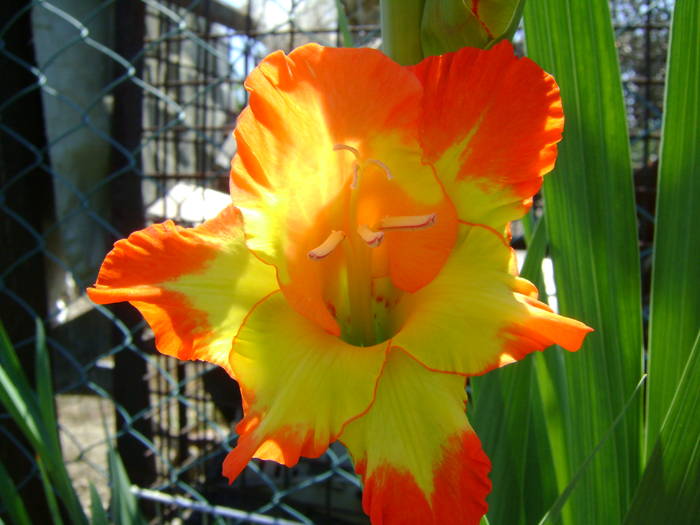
pixel 364 312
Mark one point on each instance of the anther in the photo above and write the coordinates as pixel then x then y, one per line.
pixel 415 222
pixel 371 238
pixel 382 166
pixel 327 246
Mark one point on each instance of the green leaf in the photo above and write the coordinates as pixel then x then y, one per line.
pixel 536 250
pixel 668 492
pixel 16 394
pixel 592 232
pixel 99 515
pixel 49 492
pixel 675 289
pixel 51 444
pixel 124 504
pixel 553 514
pixel 343 24
pixel 547 458
pixel 42 374
pixel 34 414
pixel 11 500
pixel 502 411
pixel 504 404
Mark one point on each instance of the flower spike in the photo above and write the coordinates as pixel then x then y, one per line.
pixel 374 345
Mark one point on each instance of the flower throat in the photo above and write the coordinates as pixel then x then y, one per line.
pixel 370 301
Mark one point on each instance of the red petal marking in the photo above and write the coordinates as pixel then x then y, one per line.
pixel 475 10
pixel 461 484
pixel 511 106
pixel 156 254
pixel 136 266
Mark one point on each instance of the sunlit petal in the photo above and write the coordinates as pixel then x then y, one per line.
pixel 490 125
pixel 330 142
pixel 194 286
pixel 419 458
pixel 476 315
pixel 299 385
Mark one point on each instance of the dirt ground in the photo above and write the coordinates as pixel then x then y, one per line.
pixel 86 422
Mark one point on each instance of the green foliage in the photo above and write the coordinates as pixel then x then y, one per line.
pixel 343 24
pixel 449 25
pixel 668 492
pixel 35 415
pixel 566 432
pixel 586 415
pixel 414 29
pixel 675 293
pixel 592 232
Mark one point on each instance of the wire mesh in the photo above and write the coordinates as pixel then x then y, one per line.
pixel 119 114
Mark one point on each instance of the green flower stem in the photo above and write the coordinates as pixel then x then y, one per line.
pixel 401 30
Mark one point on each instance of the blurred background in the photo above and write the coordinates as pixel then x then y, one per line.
pixel 117 114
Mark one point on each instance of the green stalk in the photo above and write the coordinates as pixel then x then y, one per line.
pixel 401 30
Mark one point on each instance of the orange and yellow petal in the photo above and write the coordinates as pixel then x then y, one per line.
pixel 490 125
pixel 476 315
pixel 414 257
pixel 194 286
pixel 299 385
pixel 317 118
pixel 419 458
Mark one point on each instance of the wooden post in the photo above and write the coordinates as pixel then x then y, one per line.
pixel 131 389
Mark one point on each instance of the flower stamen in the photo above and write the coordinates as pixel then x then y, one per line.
pixel 341 147
pixel 408 223
pixel 326 247
pixel 355 176
pixel 372 238
pixel 383 166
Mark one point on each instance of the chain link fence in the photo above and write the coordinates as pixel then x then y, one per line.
pixel 116 114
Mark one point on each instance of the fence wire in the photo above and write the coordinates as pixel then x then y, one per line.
pixel 118 114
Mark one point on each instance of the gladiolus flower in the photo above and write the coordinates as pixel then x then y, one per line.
pixel 363 271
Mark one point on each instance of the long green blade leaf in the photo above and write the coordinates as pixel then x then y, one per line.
pixel 34 414
pixel 343 24
pixel 505 400
pixel 553 513
pixel 668 492
pixel 99 515
pixel 11 500
pixel 591 227
pixel 675 290
pixel 124 504
pixel 501 417
pixel 49 493
pixel 16 393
